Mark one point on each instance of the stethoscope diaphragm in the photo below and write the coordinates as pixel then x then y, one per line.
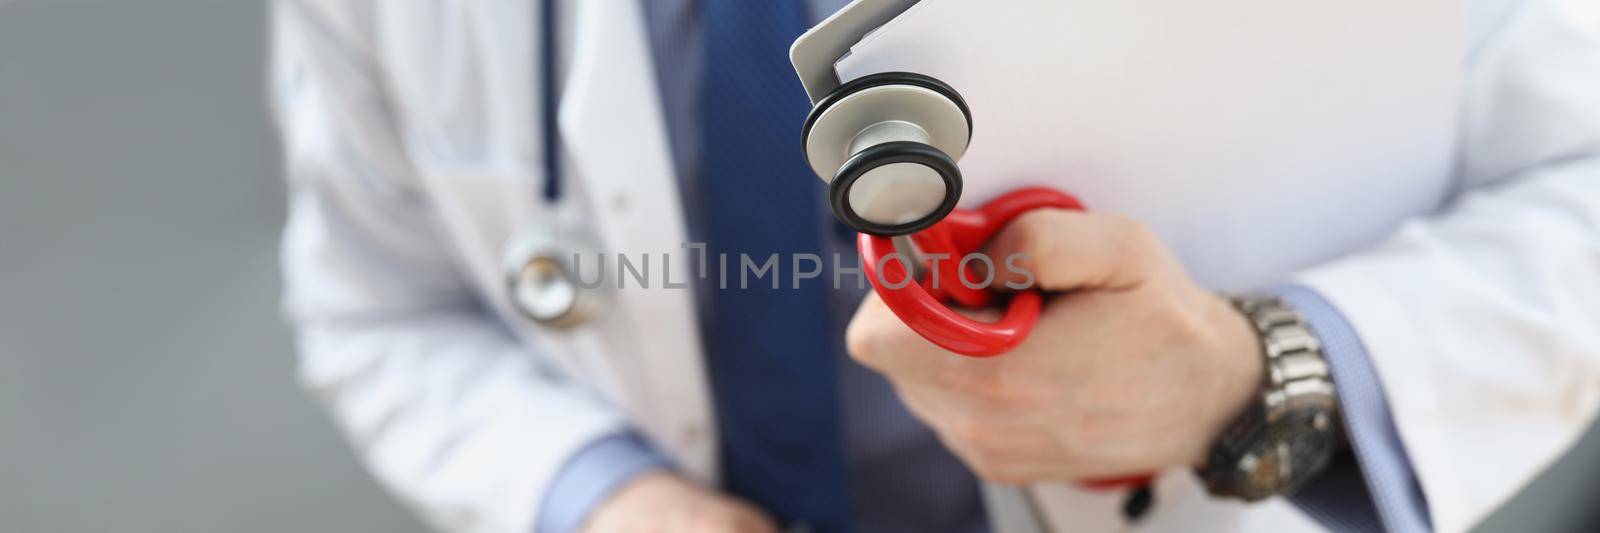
pixel 887 144
pixel 542 283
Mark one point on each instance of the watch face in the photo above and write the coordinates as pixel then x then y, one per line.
pixel 1291 452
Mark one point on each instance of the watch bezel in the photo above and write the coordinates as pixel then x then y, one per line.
pixel 1254 470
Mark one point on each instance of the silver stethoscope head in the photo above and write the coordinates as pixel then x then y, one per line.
pixel 542 282
pixel 887 145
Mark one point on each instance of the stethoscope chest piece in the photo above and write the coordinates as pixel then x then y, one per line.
pixel 542 281
pixel 887 145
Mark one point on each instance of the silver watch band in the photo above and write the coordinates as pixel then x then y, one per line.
pixel 1297 374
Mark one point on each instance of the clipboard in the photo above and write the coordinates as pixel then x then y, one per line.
pixel 814 53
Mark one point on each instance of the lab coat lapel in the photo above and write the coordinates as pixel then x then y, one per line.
pixel 612 125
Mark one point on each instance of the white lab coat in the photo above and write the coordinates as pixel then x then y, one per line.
pixel 1471 271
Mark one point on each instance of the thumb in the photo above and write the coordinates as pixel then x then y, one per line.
pixel 1065 250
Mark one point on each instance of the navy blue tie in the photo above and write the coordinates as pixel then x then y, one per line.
pixel 770 355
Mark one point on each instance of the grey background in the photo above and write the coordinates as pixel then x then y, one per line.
pixel 145 375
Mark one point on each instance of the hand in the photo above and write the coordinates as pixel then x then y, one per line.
pixel 663 503
pixel 1132 367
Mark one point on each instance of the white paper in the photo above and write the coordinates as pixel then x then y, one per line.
pixel 1240 130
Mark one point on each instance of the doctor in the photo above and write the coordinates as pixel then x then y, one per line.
pixel 1460 337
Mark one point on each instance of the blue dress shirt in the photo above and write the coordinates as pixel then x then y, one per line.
pixel 902 479
pixel 1390 490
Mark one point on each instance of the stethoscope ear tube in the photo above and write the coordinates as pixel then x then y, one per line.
pixel 541 279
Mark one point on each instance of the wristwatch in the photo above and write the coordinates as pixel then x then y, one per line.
pixel 1288 435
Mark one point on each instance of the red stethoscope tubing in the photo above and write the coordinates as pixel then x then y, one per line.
pixel 920 302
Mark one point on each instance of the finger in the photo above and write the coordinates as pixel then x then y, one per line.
pixel 982 398
pixel 968 419
pixel 1065 250
pixel 877 339
pixel 1023 458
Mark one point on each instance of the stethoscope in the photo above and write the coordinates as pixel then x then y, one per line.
pixel 887 145
pixel 540 264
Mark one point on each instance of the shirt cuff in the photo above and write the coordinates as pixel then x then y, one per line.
pixel 1381 465
pixel 590 476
